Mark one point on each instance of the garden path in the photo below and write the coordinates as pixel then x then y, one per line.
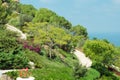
pixel 12 28
pixel 84 61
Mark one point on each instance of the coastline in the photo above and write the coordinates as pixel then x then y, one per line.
pixel 113 38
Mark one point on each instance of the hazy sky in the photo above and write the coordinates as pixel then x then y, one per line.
pixel 101 16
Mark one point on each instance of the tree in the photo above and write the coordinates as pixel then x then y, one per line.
pixel 28 10
pixel 3 12
pixel 79 30
pixel 45 15
pixel 79 35
pixel 25 18
pixel 116 58
pixel 46 34
pixel 6 9
pixel 99 51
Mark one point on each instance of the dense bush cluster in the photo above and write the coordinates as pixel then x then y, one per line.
pixel 103 55
pixel 13 61
pixel 11 52
pixel 99 51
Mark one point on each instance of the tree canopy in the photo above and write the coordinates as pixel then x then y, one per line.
pixel 79 30
pixel 45 33
pixel 46 15
pixel 99 51
pixel 28 10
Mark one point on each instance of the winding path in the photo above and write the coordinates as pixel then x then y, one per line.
pixel 12 28
pixel 84 61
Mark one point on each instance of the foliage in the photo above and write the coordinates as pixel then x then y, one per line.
pixel 25 18
pixel 3 12
pixel 8 42
pixel 79 30
pixel 111 77
pixel 43 61
pixel 79 35
pixel 116 57
pixel 67 58
pixel 14 6
pixel 91 74
pixel 45 28
pixel 27 10
pixel 105 78
pixel 60 71
pixel 12 61
pixel 19 20
pixel 99 51
pixel 103 55
pixel 79 71
pixel 45 15
pixel 11 52
pixel 50 73
pixel 6 9
pixel 24 73
pixel 104 71
pixel 14 20
pixel 13 74
pixel 36 58
pixel 53 73
pixel 32 47
pixel 50 35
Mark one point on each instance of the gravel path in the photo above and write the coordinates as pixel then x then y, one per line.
pixel 84 61
pixel 12 28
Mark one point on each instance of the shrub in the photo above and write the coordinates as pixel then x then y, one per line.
pixel 36 58
pixel 32 47
pixel 99 51
pixel 104 72
pixel 13 74
pixel 8 41
pixel 91 74
pixel 79 71
pixel 108 78
pixel 12 61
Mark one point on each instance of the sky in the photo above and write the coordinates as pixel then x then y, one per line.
pixel 98 16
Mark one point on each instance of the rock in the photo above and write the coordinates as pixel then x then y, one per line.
pixel 14 29
pixel 32 64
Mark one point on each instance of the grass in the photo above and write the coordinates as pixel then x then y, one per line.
pixel 54 73
pixel 52 69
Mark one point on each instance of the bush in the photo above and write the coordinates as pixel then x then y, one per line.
pixel 36 58
pixel 8 41
pixel 13 61
pixel 79 71
pixel 32 47
pixel 13 74
pixel 91 74
pixel 15 22
pixel 108 78
pixel 99 51
pixel 104 72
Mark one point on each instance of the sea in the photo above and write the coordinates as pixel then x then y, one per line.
pixel 113 38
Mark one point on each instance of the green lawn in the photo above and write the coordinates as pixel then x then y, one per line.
pixel 52 69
